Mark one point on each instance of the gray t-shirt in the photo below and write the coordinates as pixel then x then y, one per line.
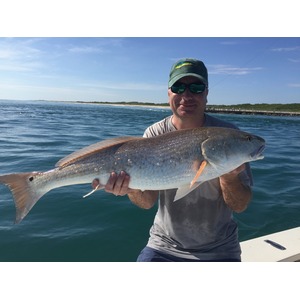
pixel 199 226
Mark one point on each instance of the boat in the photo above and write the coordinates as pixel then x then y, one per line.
pixel 283 246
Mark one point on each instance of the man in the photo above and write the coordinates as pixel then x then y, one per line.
pixel 199 227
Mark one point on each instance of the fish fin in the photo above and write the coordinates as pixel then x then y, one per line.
pixel 92 149
pixel 184 190
pixel 199 172
pixel 24 193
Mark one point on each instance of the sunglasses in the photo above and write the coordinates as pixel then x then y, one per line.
pixel 195 88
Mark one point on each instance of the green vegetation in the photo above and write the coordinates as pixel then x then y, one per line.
pixel 291 107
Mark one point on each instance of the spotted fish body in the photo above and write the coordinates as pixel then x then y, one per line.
pixel 164 162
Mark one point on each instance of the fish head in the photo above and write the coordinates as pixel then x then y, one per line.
pixel 227 149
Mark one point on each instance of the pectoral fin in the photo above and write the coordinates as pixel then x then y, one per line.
pixel 184 190
pixel 201 168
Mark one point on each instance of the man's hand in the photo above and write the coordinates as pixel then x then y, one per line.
pixel 117 184
pixel 233 174
pixel 235 194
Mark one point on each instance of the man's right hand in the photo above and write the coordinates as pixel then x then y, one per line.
pixel 118 184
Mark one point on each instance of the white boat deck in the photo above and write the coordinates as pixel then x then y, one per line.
pixel 279 246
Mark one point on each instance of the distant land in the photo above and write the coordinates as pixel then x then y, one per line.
pixel 290 109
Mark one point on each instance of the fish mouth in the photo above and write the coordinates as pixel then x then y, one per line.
pixel 257 154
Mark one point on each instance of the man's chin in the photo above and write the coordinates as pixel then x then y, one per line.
pixel 186 110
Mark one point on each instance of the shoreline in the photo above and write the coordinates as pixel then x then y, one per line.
pixel 252 112
pixel 236 111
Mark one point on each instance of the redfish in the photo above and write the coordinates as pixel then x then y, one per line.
pixel 180 159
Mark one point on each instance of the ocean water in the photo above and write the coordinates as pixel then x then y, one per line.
pixel 63 226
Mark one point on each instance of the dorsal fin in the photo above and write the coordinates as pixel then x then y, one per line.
pixel 92 149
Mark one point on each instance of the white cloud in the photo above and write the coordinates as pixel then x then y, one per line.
pixel 286 49
pixel 294 60
pixel 100 45
pixel 20 66
pixel 19 55
pixel 6 53
pixel 296 85
pixel 234 42
pixel 231 70
pixel 125 86
pixel 86 49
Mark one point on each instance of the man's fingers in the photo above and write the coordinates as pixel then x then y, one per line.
pixel 95 183
pixel 109 187
pixel 118 184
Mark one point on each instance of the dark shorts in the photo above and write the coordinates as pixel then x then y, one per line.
pixel 148 254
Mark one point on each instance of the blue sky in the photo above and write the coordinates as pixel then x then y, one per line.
pixel 241 70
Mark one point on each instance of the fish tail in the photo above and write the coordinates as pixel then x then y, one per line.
pixel 24 190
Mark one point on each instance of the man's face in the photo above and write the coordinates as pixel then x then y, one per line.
pixel 188 104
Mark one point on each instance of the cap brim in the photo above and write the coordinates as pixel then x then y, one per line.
pixel 176 78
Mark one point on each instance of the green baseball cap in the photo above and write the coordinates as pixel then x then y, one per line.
pixel 188 67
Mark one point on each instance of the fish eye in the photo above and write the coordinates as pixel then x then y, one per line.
pixel 249 138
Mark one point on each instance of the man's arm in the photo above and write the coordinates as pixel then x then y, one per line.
pixel 236 195
pixel 145 199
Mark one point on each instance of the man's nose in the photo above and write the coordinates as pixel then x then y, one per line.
pixel 187 94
